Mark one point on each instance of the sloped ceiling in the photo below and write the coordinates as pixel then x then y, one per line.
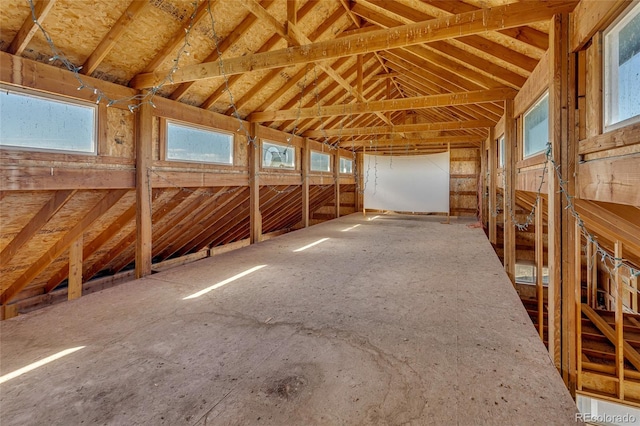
pixel 287 63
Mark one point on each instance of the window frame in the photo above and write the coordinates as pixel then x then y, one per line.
pixel 280 145
pixel 61 100
pixel 185 124
pixel 350 160
pixel 534 269
pixel 311 161
pixel 535 104
pixel 608 75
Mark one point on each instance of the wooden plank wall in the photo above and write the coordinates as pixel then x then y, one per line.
pixel 80 213
pixel 601 170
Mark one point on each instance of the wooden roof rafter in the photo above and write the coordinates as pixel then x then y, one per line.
pixel 490 69
pixel 29 28
pixel 470 23
pixel 110 40
pixel 222 46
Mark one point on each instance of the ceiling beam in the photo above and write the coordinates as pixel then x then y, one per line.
pixel 469 23
pixel 29 28
pixel 221 48
pixel 413 141
pixel 446 99
pixel 295 36
pixel 109 41
pixel 381 130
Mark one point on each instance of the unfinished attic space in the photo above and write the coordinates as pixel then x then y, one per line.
pixel 319 212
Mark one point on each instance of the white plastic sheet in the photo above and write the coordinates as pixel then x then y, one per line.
pixel 417 183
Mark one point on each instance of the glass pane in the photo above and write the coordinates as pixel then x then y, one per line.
pixel 28 121
pixel 622 69
pixel 629 69
pixel 278 156
pixel 346 165
pixel 199 145
pixel 320 162
pixel 501 153
pixel 536 127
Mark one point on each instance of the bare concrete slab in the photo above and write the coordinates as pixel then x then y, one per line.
pixel 392 320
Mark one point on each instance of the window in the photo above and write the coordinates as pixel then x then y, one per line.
pixel 536 127
pixel 526 273
pixel 38 122
pixel 346 165
pixel 622 69
pixel 278 156
pixel 188 143
pixel 320 162
pixel 501 152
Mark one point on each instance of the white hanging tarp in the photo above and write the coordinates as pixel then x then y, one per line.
pixel 415 183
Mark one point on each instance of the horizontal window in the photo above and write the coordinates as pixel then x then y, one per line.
pixel 346 165
pixel 320 162
pixel 526 273
pixel 278 156
pixel 43 123
pixel 622 69
pixel 536 127
pixel 195 144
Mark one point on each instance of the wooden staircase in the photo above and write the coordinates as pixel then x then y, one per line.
pixel 597 373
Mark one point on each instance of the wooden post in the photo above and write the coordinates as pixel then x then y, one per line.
pixel 144 145
pixel 577 266
pixel 363 183
pixel 561 280
pixel 633 282
pixel 255 232
pixel 493 227
pixel 336 176
pixel 305 183
pixel 360 74
pixel 562 106
pixel 292 18
pixel 539 253
pixel 619 320
pixel 74 289
pixel 592 282
pixel 484 183
pixel 509 171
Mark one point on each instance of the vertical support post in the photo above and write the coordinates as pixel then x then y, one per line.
pixel 539 253
pixel 633 282
pixel 144 143
pixel 74 289
pixel 449 200
pixel 336 177
pixel 592 284
pixel 292 16
pixel 255 230
pixel 577 250
pixel 305 183
pixel 619 320
pixel 360 74
pixel 484 183
pixel 561 280
pixel 492 164
pixel 363 183
pixel 562 90
pixel 509 171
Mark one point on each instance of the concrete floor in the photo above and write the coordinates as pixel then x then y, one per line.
pixel 400 320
